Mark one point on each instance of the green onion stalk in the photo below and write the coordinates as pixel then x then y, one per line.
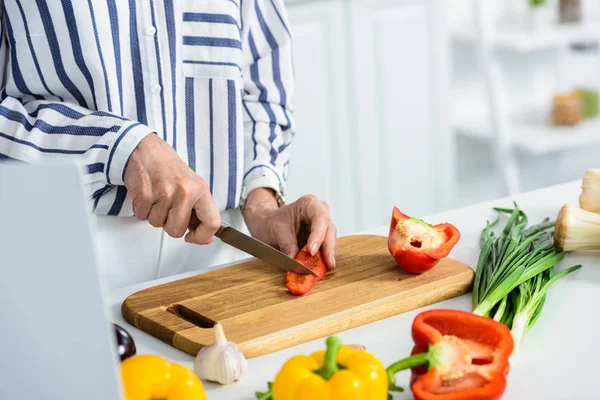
pixel 515 271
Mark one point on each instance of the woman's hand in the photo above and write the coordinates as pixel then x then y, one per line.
pixel 306 221
pixel 164 191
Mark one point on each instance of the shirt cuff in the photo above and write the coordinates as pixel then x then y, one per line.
pixel 119 151
pixel 262 176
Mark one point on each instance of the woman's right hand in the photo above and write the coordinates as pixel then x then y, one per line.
pixel 165 191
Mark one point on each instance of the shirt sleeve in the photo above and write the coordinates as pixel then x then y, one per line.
pixel 40 131
pixel 269 125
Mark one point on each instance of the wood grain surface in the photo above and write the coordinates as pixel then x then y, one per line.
pixel 259 314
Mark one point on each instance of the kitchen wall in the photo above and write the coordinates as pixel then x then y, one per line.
pixel 372 85
pixel 379 86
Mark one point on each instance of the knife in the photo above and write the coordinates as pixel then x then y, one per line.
pixel 256 248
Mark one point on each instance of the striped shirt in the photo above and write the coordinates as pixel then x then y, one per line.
pixel 85 81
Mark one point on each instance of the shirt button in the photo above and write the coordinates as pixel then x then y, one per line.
pixel 156 88
pixel 150 31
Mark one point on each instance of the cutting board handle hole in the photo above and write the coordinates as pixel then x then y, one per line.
pixel 191 316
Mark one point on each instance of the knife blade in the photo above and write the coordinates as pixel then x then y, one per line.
pixel 260 250
pixel 256 248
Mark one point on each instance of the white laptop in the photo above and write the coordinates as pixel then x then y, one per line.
pixel 56 342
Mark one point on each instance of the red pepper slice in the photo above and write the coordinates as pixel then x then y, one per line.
pixel 302 284
pixel 418 246
pixel 457 355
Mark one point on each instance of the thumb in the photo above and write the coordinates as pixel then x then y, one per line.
pixel 287 242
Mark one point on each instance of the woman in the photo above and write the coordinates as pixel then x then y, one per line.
pixel 172 108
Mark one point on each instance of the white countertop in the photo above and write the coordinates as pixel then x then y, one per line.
pixel 558 355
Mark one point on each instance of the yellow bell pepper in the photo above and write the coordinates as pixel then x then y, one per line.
pixel 149 377
pixel 338 373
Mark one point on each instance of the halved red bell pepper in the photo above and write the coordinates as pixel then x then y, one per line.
pixel 457 355
pixel 418 246
pixel 302 284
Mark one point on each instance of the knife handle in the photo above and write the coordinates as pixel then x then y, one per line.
pixel 195 222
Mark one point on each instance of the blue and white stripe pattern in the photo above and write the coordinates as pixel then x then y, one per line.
pixel 85 81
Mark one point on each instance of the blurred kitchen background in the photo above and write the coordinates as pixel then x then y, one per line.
pixel 436 104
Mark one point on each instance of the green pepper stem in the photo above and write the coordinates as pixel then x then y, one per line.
pixel 415 360
pixel 268 395
pixel 264 395
pixel 331 366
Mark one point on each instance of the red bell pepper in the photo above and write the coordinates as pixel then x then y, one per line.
pixel 302 284
pixel 418 246
pixel 457 355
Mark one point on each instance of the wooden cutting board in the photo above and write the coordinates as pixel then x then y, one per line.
pixel 259 314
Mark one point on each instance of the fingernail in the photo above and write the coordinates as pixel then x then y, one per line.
pixel 332 262
pixel 313 249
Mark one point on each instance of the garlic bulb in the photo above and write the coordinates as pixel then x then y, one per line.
pixel 221 361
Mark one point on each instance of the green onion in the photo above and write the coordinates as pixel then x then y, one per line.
pixel 515 271
pixel 531 308
pixel 499 313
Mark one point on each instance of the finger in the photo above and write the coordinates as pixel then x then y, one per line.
pixel 141 210
pixel 178 220
pixel 315 213
pixel 142 203
pixel 210 221
pixel 318 229
pixel 158 214
pixel 329 246
pixel 287 242
pixel 190 238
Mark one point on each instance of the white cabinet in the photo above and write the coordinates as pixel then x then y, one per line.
pixel 401 132
pixel 321 162
pixel 370 100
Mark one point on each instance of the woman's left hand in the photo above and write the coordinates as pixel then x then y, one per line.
pixel 289 228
